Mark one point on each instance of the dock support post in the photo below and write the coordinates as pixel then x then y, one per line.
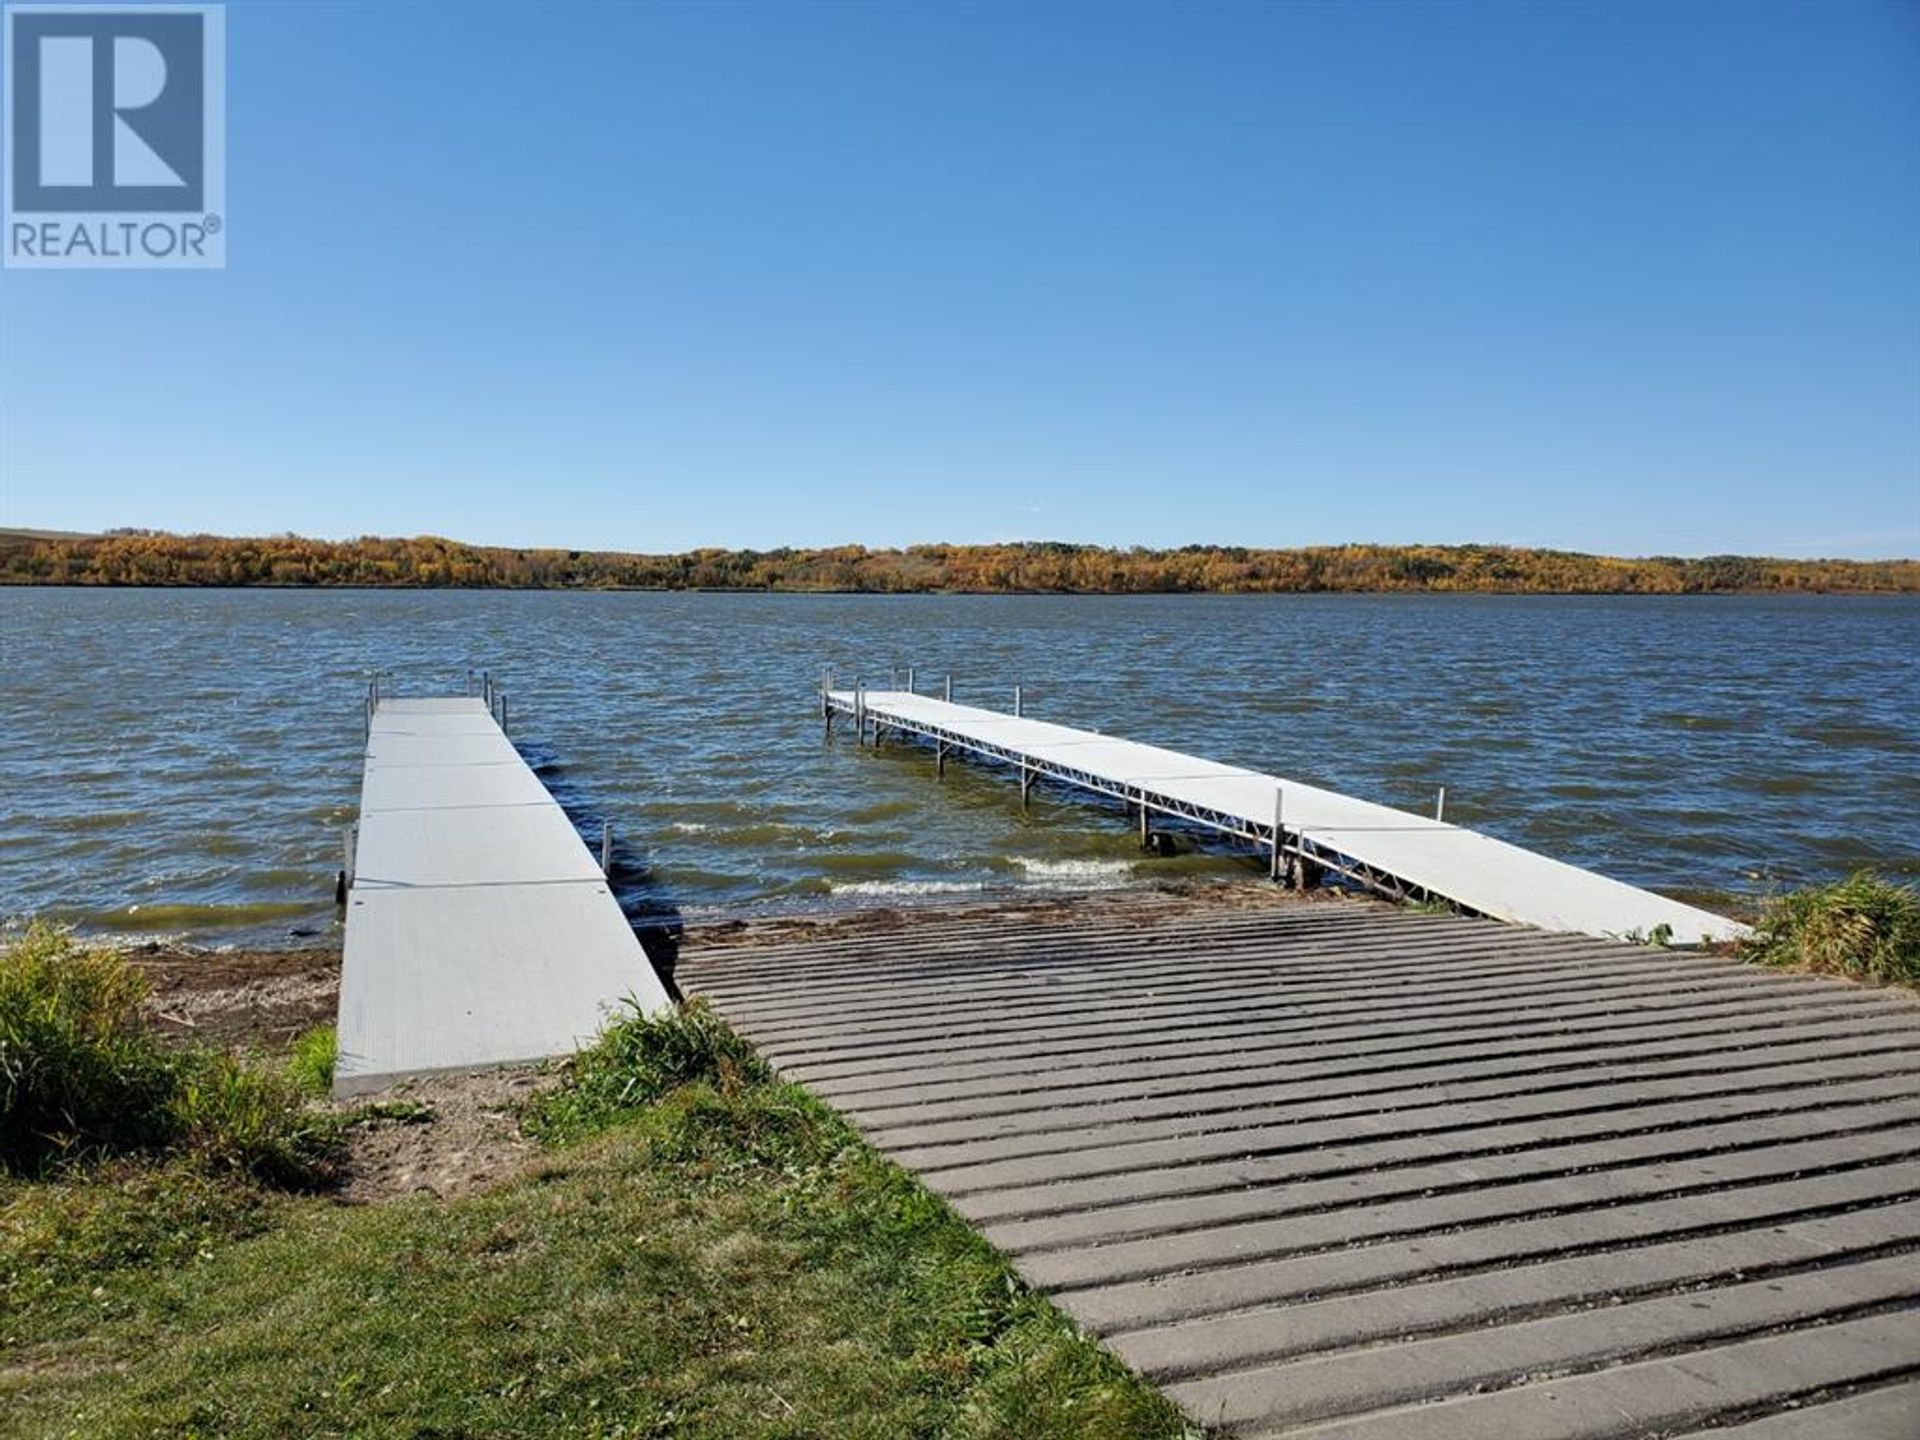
pixel 1016 700
pixel 503 712
pixel 1027 777
pixel 939 759
pixel 1279 799
pixel 826 684
pixel 1306 873
pixel 1146 836
pixel 910 689
pixel 859 711
pixel 947 691
pixel 606 846
pixel 348 846
pixel 1440 805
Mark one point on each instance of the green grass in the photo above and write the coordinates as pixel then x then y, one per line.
pixel 83 1078
pixel 636 1062
pixel 73 1245
pixel 79 1071
pixel 708 1253
pixel 1864 927
pixel 310 1063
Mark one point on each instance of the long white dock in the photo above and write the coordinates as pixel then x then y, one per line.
pixel 1392 851
pixel 479 929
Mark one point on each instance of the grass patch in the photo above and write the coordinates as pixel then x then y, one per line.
pixel 636 1061
pixel 68 1242
pixel 1864 927
pixel 83 1079
pixel 708 1253
pixel 79 1070
pixel 310 1063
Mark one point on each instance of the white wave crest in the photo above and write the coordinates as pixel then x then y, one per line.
pixel 1075 874
pixel 907 887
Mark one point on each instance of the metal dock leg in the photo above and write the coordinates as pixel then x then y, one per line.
pixel 1279 798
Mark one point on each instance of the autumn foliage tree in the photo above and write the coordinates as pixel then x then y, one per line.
pixel 156 558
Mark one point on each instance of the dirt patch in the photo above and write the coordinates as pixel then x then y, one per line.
pixel 440 1135
pixel 257 998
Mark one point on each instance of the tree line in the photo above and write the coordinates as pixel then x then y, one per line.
pixel 428 562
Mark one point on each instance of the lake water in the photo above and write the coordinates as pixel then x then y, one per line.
pixel 183 762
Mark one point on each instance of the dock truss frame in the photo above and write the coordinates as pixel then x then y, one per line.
pixel 1292 854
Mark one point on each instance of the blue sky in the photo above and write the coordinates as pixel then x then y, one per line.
pixel 1606 276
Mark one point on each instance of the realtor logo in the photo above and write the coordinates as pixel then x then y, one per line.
pixel 115 139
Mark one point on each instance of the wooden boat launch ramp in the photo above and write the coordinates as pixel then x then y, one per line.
pixel 480 931
pixel 1401 855
pixel 1331 1169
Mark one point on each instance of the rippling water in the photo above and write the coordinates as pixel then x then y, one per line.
pixel 183 761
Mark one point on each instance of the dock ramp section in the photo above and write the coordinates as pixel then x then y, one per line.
pixel 480 931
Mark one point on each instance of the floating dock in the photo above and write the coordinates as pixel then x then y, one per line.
pixel 480 931
pixel 1341 1171
pixel 1301 827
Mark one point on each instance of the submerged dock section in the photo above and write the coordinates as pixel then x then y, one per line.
pixel 1302 828
pixel 480 931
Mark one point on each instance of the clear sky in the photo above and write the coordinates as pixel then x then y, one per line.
pixel 1606 276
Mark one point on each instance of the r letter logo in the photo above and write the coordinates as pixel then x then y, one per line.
pixel 115 137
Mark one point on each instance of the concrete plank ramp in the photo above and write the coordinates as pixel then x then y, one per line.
pixel 1337 1170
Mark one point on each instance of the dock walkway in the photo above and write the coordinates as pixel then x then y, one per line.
pixel 479 929
pixel 1334 1170
pixel 1401 854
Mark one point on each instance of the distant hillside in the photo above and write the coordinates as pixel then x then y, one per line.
pixel 8 536
pixel 148 558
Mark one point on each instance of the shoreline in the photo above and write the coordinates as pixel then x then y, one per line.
pixel 770 915
pixel 264 996
pixel 1837 592
pixel 454 1132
